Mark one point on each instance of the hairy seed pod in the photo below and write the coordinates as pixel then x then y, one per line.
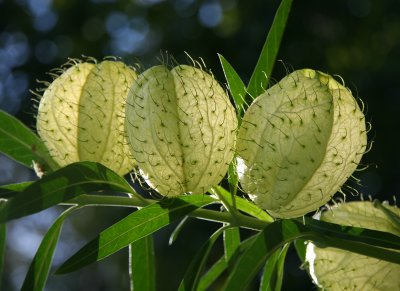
pixel 81 115
pixel 337 270
pixel 299 142
pixel 181 127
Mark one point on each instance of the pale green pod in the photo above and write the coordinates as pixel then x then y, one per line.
pixel 336 270
pixel 81 115
pixel 299 142
pixel 182 129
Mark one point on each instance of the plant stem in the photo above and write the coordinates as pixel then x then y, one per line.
pixel 240 220
pixel 225 203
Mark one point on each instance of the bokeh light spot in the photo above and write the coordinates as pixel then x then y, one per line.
pixel 210 14
pixel 127 35
pixel 14 49
pixel 46 21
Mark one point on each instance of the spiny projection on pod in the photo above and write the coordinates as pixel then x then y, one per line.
pixel 81 114
pixel 182 129
pixel 299 142
pixel 336 270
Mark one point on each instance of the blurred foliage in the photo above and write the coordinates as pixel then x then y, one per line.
pixel 357 39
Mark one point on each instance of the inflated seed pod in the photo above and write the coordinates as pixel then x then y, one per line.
pixel 81 115
pixel 337 270
pixel 299 142
pixel 181 127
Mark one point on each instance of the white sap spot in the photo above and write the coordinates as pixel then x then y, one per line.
pixel 147 179
pixel 310 258
pixel 240 167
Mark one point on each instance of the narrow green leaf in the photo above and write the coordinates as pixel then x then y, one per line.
pixel 141 264
pixel 245 205
pixel 212 274
pixel 267 241
pixel 231 242
pixel 8 191
pixel 233 178
pixel 3 235
pixel 60 186
pixel 358 240
pixel 362 249
pixel 236 85
pixel 258 81
pixel 174 235
pixel 280 268
pixel 323 229
pixel 193 274
pixel 39 269
pixel 269 274
pixel 19 143
pixel 222 264
pixel 133 227
pixel 300 247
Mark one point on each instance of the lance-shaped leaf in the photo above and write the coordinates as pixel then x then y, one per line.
pixel 213 274
pixel 60 186
pixel 134 227
pixel 300 246
pixel 39 269
pixel 174 235
pixel 327 232
pixel 335 269
pixel 21 144
pixel 8 191
pixel 262 72
pixel 141 264
pixel 275 235
pixel 236 86
pixel 273 271
pixel 223 264
pixel 244 205
pixel 231 242
pixel 192 276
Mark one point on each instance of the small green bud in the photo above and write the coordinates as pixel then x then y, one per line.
pixel 299 142
pixel 81 115
pixel 181 128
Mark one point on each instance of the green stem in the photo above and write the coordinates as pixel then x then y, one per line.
pixel 240 220
pixel 233 182
pixel 231 209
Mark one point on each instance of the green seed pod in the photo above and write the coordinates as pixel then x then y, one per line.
pixel 181 127
pixel 81 115
pixel 334 269
pixel 299 142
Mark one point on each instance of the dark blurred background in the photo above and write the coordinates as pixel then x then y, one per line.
pixel 357 39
